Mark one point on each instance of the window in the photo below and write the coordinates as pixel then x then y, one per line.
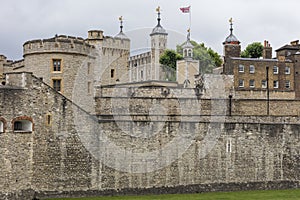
pixel 252 83
pixel 264 84
pixel 112 73
pixel 228 146
pixel 287 84
pixel 89 87
pixel 48 119
pixel 275 70
pixel 89 68
pixel 275 84
pixel 287 70
pixel 142 75
pixel 252 69
pixel 241 68
pixel 241 83
pixel 22 126
pixel 1 126
pixel 56 65
pixel 56 83
pixel 190 53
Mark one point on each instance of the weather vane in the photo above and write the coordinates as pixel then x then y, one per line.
pixel 158 9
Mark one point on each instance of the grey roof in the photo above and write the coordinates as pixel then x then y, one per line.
pixel 288 47
pixel 158 29
pixel 187 45
pixel 121 35
pixel 254 59
pixel 231 38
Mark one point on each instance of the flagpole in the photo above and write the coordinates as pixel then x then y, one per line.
pixel 190 18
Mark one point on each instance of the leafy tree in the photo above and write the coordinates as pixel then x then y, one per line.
pixel 208 58
pixel 169 58
pixel 253 50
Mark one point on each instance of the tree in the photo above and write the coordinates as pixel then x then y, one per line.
pixel 208 58
pixel 169 58
pixel 253 50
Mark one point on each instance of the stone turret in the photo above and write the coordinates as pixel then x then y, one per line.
pixel 158 45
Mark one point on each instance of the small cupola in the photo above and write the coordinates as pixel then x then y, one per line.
pixel 187 47
pixel 231 39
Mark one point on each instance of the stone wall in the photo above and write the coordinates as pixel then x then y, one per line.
pixel 151 147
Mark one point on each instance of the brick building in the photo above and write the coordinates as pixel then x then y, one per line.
pixel 266 74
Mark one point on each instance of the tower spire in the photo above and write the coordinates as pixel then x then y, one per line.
pixel 231 39
pixel 231 25
pixel 121 35
pixel 158 15
pixel 121 24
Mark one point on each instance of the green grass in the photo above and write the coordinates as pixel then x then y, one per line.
pixel 247 195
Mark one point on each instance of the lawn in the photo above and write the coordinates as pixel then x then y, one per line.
pixel 247 195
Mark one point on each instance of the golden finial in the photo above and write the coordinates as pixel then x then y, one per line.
pixel 189 30
pixel 121 18
pixel 158 9
pixel 231 20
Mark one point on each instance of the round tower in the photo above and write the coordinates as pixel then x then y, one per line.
pixel 158 44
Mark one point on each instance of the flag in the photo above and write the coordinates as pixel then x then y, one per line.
pixel 185 9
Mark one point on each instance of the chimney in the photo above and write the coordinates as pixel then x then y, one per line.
pixel 267 50
pixel 295 43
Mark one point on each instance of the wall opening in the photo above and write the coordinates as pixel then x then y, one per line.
pixel 48 119
pixel 1 127
pixel 22 124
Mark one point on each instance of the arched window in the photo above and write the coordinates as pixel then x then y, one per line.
pixel 1 127
pixel 22 124
pixel 190 53
pixel 185 53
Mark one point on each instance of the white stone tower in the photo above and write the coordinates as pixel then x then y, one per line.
pixel 158 44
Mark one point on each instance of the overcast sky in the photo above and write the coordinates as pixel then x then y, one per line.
pixel 254 20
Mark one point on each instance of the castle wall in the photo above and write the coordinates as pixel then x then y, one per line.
pixel 162 143
pixel 114 61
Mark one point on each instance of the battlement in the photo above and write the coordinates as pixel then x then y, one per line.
pixel 116 43
pixel 62 43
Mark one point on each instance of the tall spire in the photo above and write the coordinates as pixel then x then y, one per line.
pixel 121 35
pixel 121 24
pixel 231 39
pixel 158 15
pixel 158 29
pixel 231 25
